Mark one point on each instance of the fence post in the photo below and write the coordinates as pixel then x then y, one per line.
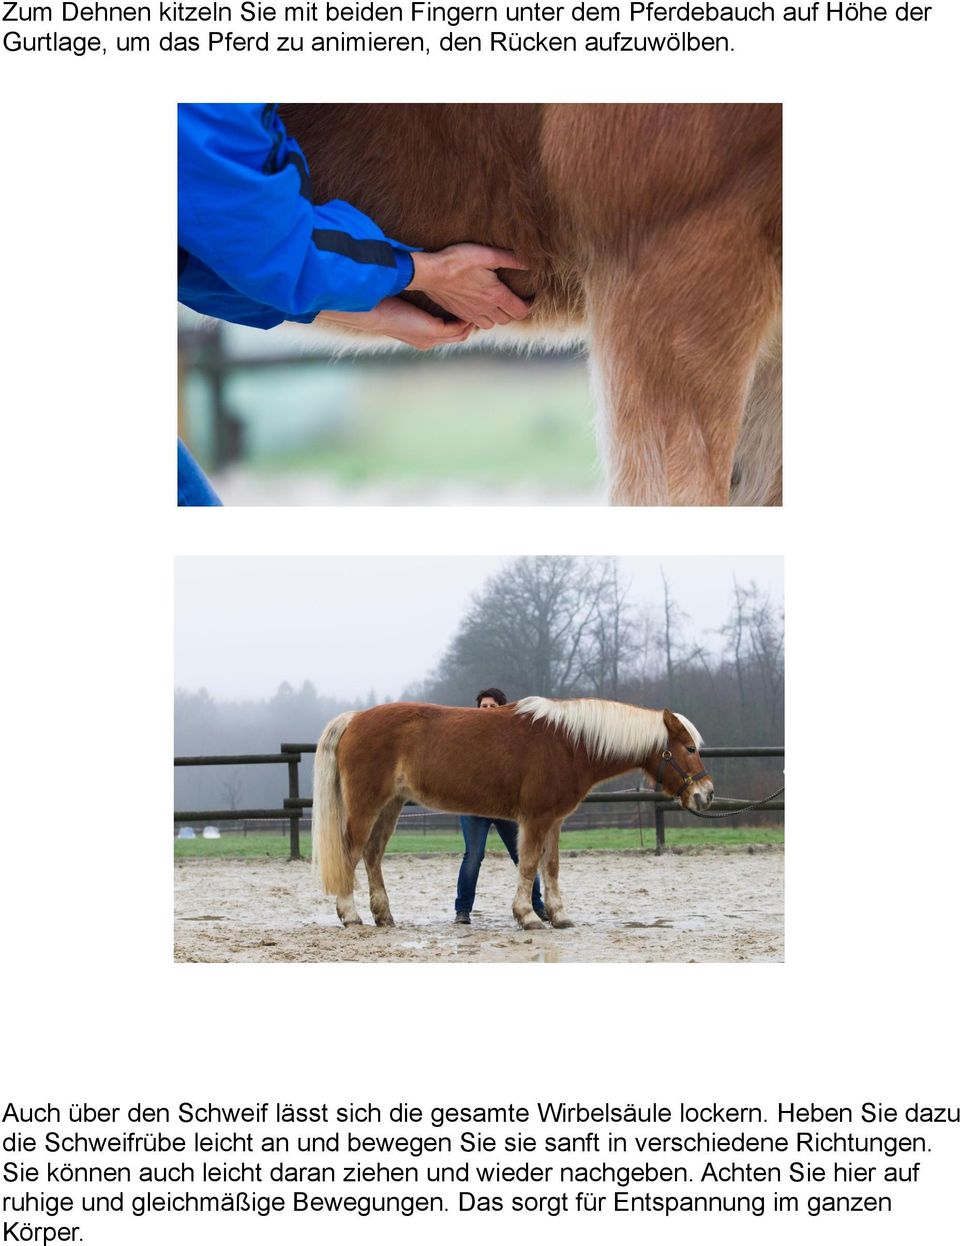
pixel 293 785
pixel 661 837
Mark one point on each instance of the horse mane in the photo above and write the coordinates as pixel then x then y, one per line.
pixel 606 729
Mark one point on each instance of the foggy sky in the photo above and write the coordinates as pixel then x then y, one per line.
pixel 356 624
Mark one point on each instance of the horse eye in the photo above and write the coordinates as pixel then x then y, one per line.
pixel 690 750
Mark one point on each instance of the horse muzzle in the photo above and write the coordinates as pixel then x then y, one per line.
pixel 698 795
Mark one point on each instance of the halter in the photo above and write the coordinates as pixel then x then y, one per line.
pixel 667 758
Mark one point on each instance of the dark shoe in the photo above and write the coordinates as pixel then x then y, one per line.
pixel 462 919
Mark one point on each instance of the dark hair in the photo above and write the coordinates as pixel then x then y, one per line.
pixel 495 693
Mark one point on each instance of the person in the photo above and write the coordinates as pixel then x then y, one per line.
pixel 254 249
pixel 475 831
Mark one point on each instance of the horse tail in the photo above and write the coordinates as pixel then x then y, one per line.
pixel 330 859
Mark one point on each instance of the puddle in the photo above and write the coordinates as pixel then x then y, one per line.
pixel 693 921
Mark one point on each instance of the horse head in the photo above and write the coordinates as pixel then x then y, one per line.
pixel 680 771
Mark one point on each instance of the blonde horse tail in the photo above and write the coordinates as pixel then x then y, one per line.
pixel 330 859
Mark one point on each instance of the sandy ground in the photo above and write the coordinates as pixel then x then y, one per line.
pixel 709 905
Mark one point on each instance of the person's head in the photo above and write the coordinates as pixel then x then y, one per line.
pixel 490 698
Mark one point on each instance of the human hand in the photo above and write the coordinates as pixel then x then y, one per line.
pixel 462 279
pixel 398 319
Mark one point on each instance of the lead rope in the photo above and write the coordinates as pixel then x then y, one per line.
pixel 729 813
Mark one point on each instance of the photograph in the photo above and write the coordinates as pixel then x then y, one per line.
pixel 611 725
pixel 479 304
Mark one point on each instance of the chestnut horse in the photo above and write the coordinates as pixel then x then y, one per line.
pixel 652 231
pixel 532 760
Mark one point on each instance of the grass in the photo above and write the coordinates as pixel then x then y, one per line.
pixel 259 844
pixel 487 423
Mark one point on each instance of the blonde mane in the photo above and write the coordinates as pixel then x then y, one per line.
pixel 606 729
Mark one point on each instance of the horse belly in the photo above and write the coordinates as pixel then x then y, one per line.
pixel 461 797
pixel 432 175
pixel 449 782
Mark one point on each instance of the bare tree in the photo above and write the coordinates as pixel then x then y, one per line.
pixel 766 644
pixel 232 789
pixel 734 632
pixel 614 636
pixel 672 640
pixel 552 626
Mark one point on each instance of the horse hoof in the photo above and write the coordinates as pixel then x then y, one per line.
pixel 531 923
pixel 384 921
pixel 354 921
pixel 562 923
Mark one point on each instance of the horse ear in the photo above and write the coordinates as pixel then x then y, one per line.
pixel 673 724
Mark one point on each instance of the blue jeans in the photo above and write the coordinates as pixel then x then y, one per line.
pixel 475 841
pixel 193 488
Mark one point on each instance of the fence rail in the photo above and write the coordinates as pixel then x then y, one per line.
pixel 204 351
pixel 294 805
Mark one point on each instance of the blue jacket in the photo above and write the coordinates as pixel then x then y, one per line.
pixel 253 247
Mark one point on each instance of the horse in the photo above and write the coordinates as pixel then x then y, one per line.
pixel 652 231
pixel 532 760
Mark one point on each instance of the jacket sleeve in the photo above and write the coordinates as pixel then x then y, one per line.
pixel 244 210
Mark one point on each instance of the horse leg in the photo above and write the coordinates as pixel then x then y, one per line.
pixel 373 859
pixel 361 818
pixel 533 831
pixel 550 873
pixel 346 905
pixel 757 471
pixel 677 333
